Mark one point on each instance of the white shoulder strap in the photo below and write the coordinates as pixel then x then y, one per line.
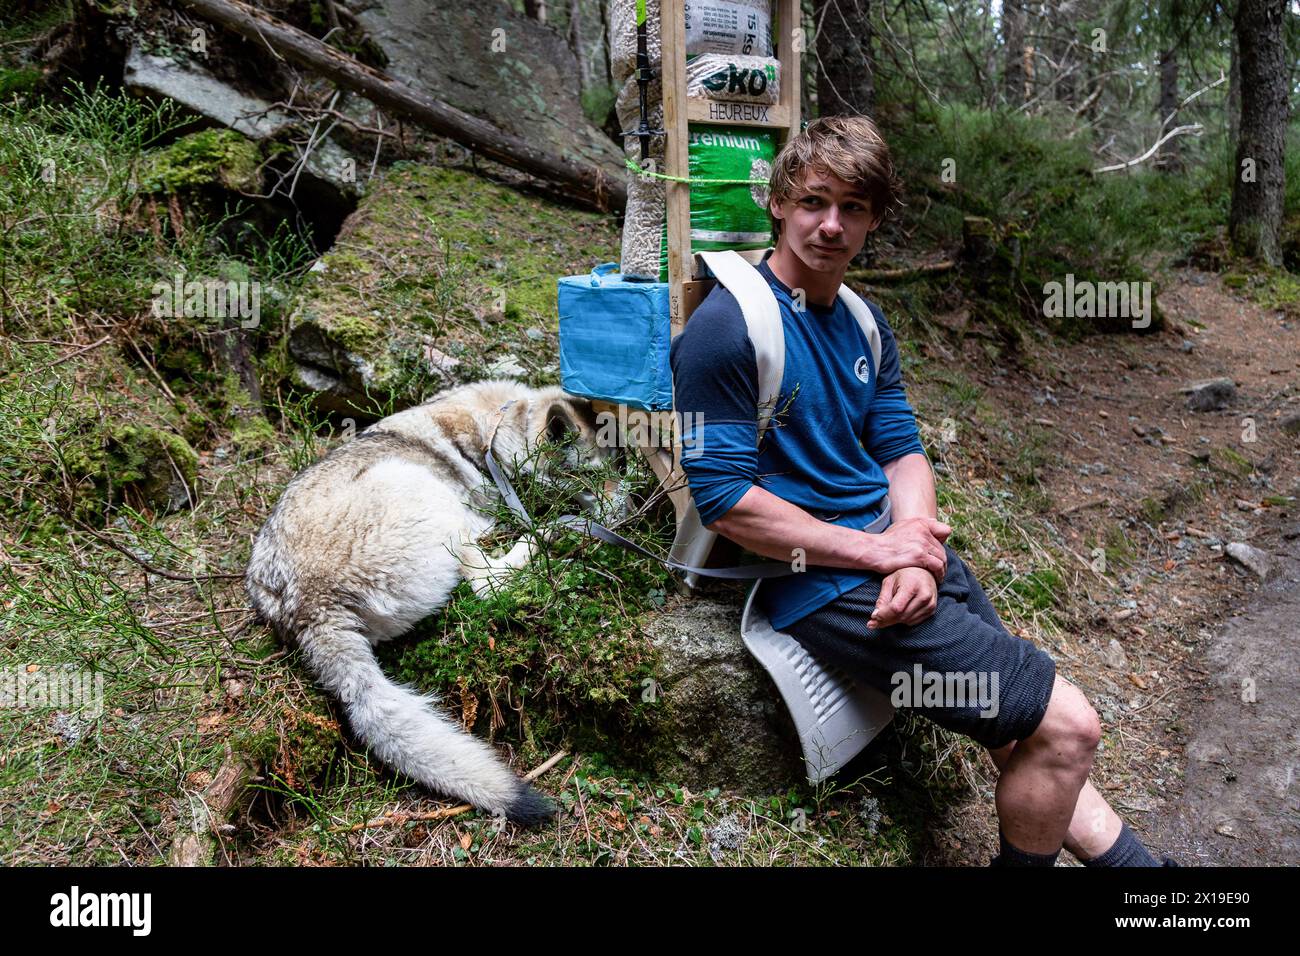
pixel 762 318
pixel 862 312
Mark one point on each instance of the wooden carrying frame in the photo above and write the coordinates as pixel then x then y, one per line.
pixel 685 289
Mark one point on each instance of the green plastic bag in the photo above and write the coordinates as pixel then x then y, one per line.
pixel 732 216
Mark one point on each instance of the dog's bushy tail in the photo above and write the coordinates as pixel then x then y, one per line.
pixel 405 731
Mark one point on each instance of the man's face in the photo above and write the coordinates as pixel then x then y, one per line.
pixel 825 222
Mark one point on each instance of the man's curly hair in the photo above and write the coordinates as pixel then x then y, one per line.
pixel 849 147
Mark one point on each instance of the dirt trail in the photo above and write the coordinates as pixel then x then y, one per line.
pixel 1161 648
pixel 1241 801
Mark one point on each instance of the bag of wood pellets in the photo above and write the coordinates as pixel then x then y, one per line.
pixel 732 215
pixel 729 27
pixel 740 79
pixel 725 27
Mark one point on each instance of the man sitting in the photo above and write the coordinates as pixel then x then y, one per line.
pixel 842 439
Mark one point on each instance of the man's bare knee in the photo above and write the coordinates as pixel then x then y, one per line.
pixel 1070 730
pixel 1001 755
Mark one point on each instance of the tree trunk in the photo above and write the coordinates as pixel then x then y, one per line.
pixel 845 67
pixel 1234 91
pixel 535 9
pixel 1067 49
pixel 1013 42
pixel 1259 180
pixel 1169 159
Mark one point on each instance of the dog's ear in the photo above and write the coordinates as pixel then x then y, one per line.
pixel 555 413
pixel 561 418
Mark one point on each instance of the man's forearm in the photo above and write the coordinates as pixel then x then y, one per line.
pixel 768 525
pixel 911 488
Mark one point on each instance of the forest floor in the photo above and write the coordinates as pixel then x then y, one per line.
pixel 1094 505
pixel 1191 661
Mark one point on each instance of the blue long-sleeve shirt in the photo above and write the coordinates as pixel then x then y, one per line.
pixel 838 420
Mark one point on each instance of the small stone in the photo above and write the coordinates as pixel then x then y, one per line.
pixel 70 726
pixel 1251 558
pixel 1210 395
pixel 507 366
pixel 535 334
pixel 1291 424
pixel 439 360
pixel 1187 345
pixel 1114 656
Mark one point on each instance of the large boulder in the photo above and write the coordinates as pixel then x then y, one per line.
pixel 325 188
pixel 496 64
pixel 722 722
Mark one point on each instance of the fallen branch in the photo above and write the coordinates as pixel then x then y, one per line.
pixel 198 843
pixel 1194 128
pixel 900 275
pixel 59 361
pixel 1205 89
pixel 149 568
pixel 582 182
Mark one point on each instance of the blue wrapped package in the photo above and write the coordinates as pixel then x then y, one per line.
pixel 614 337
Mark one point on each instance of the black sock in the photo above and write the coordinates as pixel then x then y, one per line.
pixel 1126 851
pixel 1014 856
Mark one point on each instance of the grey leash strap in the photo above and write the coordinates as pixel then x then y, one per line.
pixel 743 572
pixel 507 490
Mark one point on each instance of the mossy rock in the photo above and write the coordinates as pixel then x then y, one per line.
pixel 720 721
pixel 98 430
pixel 142 463
pixel 211 157
pixel 437 274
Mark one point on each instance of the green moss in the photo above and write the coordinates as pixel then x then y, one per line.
pixel 97 433
pixel 253 433
pixel 159 464
pixel 213 157
pixel 23 80
pixel 574 665
pixel 441 257
pixel 356 333
pixel 1231 461
pixel 1035 591
pixel 295 748
pixel 1279 290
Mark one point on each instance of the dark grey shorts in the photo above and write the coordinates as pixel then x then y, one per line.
pixel 960 667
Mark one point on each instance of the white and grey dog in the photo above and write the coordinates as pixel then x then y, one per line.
pixel 376 535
